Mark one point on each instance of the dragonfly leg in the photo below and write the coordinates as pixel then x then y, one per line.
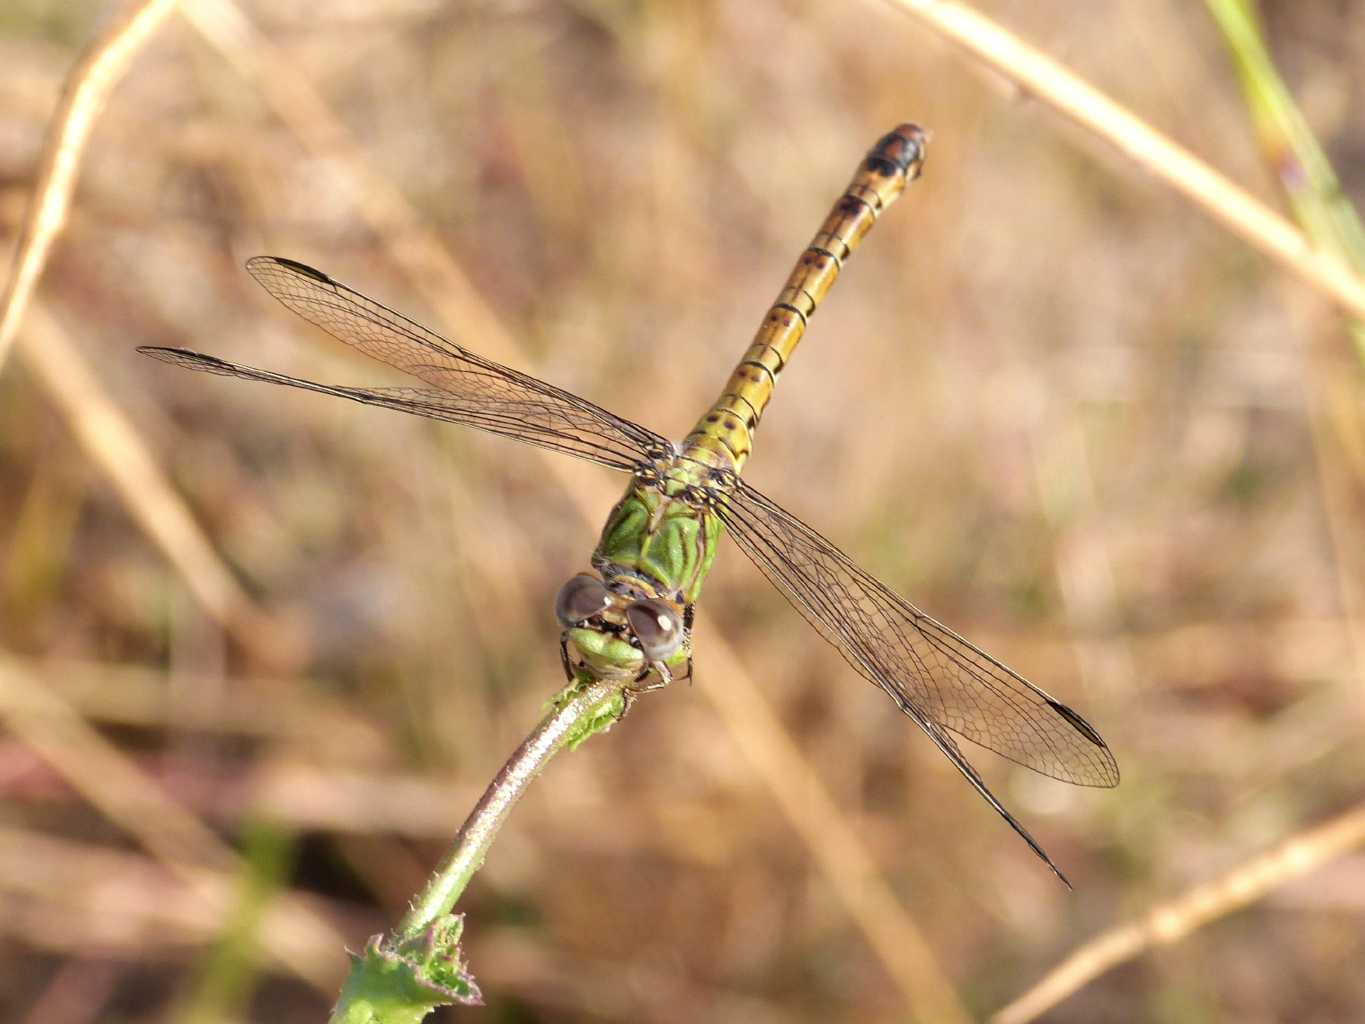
pixel 569 673
pixel 689 611
pixel 664 678
pixel 630 693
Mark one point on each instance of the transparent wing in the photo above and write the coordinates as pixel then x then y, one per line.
pixel 465 387
pixel 946 684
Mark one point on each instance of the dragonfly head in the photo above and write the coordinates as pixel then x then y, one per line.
pixel 619 628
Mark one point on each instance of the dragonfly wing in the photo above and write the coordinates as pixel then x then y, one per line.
pixel 953 752
pixel 464 386
pixel 938 678
pixel 432 403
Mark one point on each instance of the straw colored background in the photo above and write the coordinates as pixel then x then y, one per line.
pixel 1049 401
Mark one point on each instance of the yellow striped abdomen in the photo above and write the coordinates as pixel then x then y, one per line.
pixel 727 428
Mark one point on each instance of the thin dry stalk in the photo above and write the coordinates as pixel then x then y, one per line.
pixel 562 984
pixel 52 886
pixel 412 247
pixel 831 838
pixel 87 87
pixel 301 716
pixel 103 431
pixel 1171 922
pixel 1233 207
pixel 108 780
pixel 1336 486
pixel 78 992
pixel 125 795
pixel 821 823
pixel 111 442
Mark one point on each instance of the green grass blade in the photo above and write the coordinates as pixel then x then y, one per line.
pixel 1302 168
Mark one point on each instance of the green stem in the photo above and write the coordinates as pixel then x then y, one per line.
pixel 1290 148
pixel 562 726
pixel 400 977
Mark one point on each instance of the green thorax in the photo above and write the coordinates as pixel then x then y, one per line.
pixel 654 532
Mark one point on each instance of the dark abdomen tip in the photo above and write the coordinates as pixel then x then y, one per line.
pixel 898 150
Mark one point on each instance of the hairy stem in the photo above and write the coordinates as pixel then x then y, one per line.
pixel 399 978
pixel 572 720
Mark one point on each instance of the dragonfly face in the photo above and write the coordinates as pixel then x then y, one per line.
pixel 620 629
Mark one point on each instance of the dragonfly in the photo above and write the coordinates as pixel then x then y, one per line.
pixel 630 618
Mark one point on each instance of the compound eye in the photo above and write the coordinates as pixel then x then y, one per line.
pixel 655 624
pixel 580 599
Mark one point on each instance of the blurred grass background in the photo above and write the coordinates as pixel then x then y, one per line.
pixel 1049 402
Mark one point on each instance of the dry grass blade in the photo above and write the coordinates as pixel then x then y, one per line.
pixel 817 818
pixel 1229 204
pixel 130 694
pixel 89 84
pixel 112 444
pixel 832 840
pixel 78 992
pixel 52 884
pixel 411 245
pixel 1171 922
pixel 1335 434
pixel 103 431
pixel 134 802
pixel 108 779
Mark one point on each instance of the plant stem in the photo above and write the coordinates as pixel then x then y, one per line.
pixel 400 977
pixel 1236 209
pixel 569 722
pixel 1290 147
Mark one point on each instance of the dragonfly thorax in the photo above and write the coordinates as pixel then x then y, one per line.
pixel 664 530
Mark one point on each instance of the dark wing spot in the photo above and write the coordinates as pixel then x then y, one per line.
pixel 302 268
pixel 1077 722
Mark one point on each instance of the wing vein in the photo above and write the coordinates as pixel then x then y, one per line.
pixel 463 387
pixel 929 670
